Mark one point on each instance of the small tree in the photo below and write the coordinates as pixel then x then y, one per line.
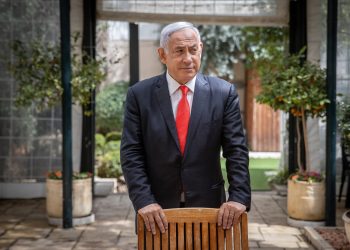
pixel 37 70
pixel 300 88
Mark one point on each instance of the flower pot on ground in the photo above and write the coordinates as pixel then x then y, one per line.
pixel 346 219
pixel 81 195
pixel 306 196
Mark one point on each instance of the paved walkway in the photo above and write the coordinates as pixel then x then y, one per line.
pixel 23 225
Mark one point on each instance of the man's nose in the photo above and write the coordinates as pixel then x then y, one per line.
pixel 187 57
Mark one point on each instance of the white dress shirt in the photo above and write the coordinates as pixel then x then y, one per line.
pixel 176 94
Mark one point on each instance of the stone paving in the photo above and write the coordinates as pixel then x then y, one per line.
pixel 23 225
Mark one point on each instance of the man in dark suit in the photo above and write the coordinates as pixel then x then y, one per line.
pixel 175 125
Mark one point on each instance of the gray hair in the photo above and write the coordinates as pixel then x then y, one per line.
pixel 172 28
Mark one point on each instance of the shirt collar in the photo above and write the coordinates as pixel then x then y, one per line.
pixel 173 85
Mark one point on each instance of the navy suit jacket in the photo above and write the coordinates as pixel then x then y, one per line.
pixel 153 167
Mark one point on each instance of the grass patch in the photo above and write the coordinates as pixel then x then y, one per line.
pixel 257 169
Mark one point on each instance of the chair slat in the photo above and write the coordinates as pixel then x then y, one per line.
pixel 156 239
pixel 236 237
pixel 140 233
pixel 205 236
pixel 149 240
pixel 221 238
pixel 191 215
pixel 189 235
pixel 172 237
pixel 228 234
pixel 213 238
pixel 244 231
pixel 165 240
pixel 181 236
pixel 197 237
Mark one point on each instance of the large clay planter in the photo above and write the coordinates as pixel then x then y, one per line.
pixel 346 219
pixel 81 198
pixel 306 201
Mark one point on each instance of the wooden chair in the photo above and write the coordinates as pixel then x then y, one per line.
pixel 194 228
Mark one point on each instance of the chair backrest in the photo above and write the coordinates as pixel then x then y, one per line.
pixel 194 228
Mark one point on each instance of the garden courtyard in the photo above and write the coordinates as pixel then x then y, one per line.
pixel 24 225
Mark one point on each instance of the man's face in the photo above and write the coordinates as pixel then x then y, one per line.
pixel 183 56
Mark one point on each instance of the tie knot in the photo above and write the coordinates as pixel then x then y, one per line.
pixel 184 89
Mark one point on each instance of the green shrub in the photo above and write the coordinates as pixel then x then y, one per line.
pixel 344 119
pixel 108 156
pixel 110 107
pixel 281 178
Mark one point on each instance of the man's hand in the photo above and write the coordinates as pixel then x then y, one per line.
pixel 229 214
pixel 153 214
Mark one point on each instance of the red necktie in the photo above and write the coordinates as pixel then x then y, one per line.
pixel 182 118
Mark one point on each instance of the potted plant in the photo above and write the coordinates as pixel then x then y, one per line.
pixel 81 194
pixel 37 70
pixel 279 181
pixel 290 85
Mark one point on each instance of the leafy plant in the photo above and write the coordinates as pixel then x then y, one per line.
pixel 344 119
pixel 57 175
pixel 289 85
pixel 226 45
pixel 281 178
pixel 307 176
pixel 107 155
pixel 110 107
pixel 37 69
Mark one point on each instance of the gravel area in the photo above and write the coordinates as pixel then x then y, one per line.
pixel 336 237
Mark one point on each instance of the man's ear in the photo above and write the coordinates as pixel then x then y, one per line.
pixel 162 55
pixel 201 45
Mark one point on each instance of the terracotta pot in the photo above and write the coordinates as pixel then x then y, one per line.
pixel 346 219
pixel 81 198
pixel 306 201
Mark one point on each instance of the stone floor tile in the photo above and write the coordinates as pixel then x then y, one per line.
pixel 277 229
pixel 252 244
pixel 281 237
pixel 101 244
pixel 127 242
pixel 256 236
pixel 20 210
pixel 277 243
pixel 43 244
pixel 96 235
pixel 65 234
pixel 33 223
pixel 35 233
pixel 5 243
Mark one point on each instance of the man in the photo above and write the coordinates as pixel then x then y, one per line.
pixel 174 127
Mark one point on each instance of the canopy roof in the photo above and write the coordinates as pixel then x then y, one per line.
pixel 237 12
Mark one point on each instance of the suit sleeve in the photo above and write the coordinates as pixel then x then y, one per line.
pixel 235 151
pixel 132 155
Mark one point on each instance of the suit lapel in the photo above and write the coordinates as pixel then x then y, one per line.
pixel 199 103
pixel 162 92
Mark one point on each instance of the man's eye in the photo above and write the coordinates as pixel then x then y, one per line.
pixel 194 51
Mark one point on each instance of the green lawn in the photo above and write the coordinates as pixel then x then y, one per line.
pixel 257 169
